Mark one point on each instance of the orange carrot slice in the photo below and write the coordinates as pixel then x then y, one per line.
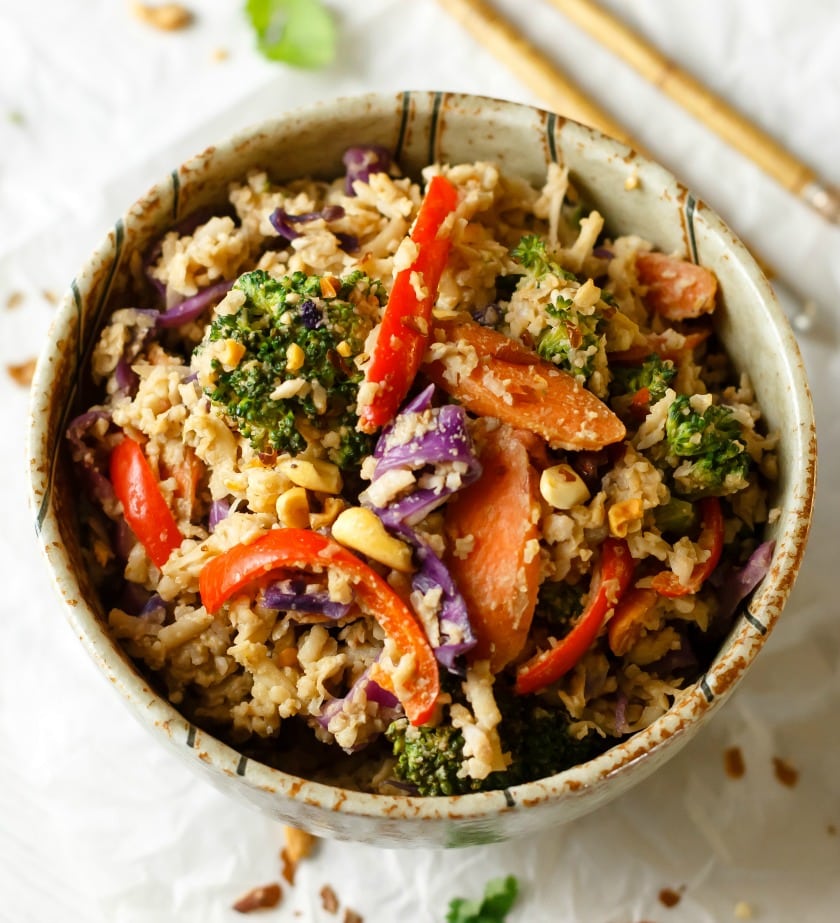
pixel 499 577
pixel 514 385
pixel 676 289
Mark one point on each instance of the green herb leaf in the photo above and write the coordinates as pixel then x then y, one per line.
pixel 499 897
pixel 298 32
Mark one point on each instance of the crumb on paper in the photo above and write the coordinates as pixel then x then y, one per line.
pixel 831 830
pixel 299 845
pixel 15 116
pixel 263 897
pixel 328 899
pixel 15 300
pixel 743 911
pixel 220 54
pixel 50 296
pixel 350 916
pixel 165 16
pixel 668 897
pixel 785 773
pixel 733 762
pixel 22 374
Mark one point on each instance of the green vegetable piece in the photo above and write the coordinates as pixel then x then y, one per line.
pixel 298 32
pixel 499 897
pixel 655 374
pixel 291 332
pixel 559 603
pixel 571 340
pixel 720 463
pixel 691 433
pixel 676 516
pixel 431 758
pixel 532 253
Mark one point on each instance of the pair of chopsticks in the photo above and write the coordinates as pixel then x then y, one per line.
pixel 546 79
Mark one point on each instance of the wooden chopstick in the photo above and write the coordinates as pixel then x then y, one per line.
pixel 532 67
pixel 714 112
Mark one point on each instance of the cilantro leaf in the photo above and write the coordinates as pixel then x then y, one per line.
pixel 298 32
pixel 499 897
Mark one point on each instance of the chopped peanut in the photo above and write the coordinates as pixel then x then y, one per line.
pixel 362 530
pixel 299 843
pixel 295 357
pixel 293 508
pixel 620 515
pixel 165 16
pixel 562 488
pixel 260 898
pixel 313 474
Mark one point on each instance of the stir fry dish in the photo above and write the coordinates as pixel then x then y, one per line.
pixel 419 486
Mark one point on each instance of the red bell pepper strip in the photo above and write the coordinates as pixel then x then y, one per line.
pixel 407 320
pixel 610 579
pixel 144 507
pixel 241 565
pixel 667 583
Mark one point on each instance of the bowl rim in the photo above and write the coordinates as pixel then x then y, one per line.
pixel 698 701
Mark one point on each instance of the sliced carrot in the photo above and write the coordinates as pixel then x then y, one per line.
pixel 630 619
pixel 661 344
pixel 676 289
pixel 517 387
pixel 187 476
pixel 499 577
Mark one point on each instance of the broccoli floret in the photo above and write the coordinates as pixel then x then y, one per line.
pixel 431 759
pixel 538 741
pixel 559 603
pixel 572 340
pixel 712 476
pixel 655 374
pixel 298 327
pixel 718 462
pixel 531 252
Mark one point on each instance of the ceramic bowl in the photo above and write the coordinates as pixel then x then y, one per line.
pixel 421 128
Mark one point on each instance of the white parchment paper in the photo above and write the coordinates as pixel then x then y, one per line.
pixel 97 823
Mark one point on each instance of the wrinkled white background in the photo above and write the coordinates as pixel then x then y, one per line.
pixel 96 823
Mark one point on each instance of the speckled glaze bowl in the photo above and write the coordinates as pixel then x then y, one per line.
pixel 420 128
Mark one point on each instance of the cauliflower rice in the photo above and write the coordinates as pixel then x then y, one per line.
pixel 492 532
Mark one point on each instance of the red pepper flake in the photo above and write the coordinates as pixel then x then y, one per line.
pixel 329 901
pixel 733 763
pixel 785 773
pixel 670 898
pixel 263 897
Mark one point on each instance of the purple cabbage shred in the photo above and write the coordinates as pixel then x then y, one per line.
pixel 362 161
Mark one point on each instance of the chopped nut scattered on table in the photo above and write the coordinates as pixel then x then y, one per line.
pixel 166 16
pixel 329 901
pixel 785 773
pixel 733 762
pixel 22 373
pixel 261 898
pixel 299 845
